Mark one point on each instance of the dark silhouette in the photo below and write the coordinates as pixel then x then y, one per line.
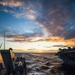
pixel 13 66
pixel 67 55
pixel 10 48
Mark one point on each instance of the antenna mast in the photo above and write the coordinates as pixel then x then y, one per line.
pixel 1 45
pixel 4 40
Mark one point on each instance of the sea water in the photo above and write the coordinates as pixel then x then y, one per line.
pixel 44 64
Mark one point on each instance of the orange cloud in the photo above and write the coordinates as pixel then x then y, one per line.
pixel 39 38
pixel 68 42
pixel 11 3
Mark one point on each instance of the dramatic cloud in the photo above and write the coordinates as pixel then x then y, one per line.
pixel 58 17
pixel 55 17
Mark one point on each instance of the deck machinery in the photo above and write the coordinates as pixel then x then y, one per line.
pixel 9 63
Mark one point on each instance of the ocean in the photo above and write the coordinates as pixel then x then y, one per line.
pixel 45 64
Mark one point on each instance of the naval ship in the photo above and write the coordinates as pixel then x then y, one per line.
pixel 67 55
pixel 10 64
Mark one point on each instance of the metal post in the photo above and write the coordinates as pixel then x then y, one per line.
pixel 4 40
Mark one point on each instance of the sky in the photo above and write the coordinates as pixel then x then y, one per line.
pixel 37 25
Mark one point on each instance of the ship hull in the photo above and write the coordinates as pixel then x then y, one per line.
pixel 68 57
pixel 71 63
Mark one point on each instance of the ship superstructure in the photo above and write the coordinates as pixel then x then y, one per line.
pixel 9 63
pixel 67 55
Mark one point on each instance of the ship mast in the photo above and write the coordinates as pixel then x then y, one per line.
pixel 4 40
pixel 0 45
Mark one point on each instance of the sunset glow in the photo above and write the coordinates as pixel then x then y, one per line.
pixel 37 25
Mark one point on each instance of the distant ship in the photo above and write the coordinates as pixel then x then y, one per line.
pixel 67 55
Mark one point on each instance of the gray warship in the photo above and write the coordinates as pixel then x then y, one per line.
pixel 67 55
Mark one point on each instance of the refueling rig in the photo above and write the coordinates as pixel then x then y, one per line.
pixel 10 64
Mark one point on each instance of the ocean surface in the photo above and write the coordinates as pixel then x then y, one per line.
pixel 45 64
